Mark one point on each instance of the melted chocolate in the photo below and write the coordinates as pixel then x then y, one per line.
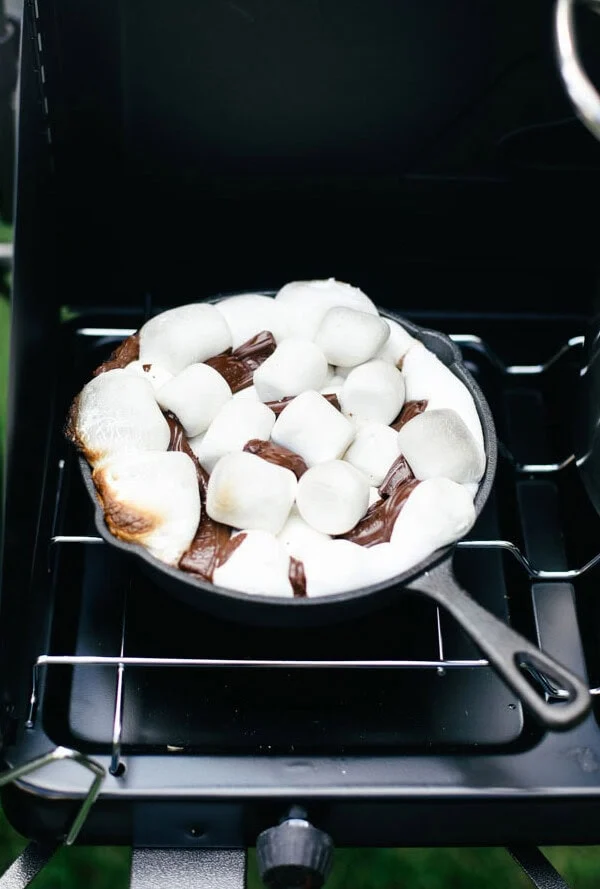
pixel 273 453
pixel 378 523
pixel 206 549
pixel 278 406
pixel 229 548
pixel 238 367
pixel 179 442
pixel 411 409
pixel 297 578
pixel 398 473
pixel 210 542
pixel 124 354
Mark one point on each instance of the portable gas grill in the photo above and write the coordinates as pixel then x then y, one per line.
pixel 170 153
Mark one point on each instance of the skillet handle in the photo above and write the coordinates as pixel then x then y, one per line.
pixel 510 653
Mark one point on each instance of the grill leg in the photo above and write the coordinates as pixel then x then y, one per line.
pixel 187 869
pixel 537 867
pixel 27 866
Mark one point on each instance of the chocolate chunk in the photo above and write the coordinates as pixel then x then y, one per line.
pixel 378 523
pixel 257 349
pixel 297 578
pixel 229 548
pixel 207 549
pixel 210 542
pixel 238 367
pixel 278 406
pixel 398 473
pixel 410 409
pixel 278 455
pixel 179 442
pixel 124 354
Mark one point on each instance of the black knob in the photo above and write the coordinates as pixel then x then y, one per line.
pixel 294 855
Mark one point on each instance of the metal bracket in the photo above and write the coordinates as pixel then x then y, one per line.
pixel 188 869
pixel 537 867
pixel 58 755
pixel 27 866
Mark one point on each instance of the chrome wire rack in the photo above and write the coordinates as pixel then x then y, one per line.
pixel 441 663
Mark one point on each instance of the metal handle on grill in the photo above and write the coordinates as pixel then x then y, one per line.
pixel 566 698
pixel 579 87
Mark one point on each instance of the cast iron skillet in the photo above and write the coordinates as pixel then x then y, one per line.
pixel 510 654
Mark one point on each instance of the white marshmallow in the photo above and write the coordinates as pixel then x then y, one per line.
pixel 397 345
pixel 306 302
pixel 437 512
pixel 373 451
pixel 298 538
pixel 251 313
pixel 427 378
pixel 385 561
pixel 438 444
pixel 195 396
pixel 471 488
pixel 157 376
pixel 117 412
pixel 333 385
pixel 247 394
pixel 374 495
pixel 313 428
pixel 246 491
pixel 332 497
pixel 335 567
pixel 373 392
pixel 295 366
pixel 151 498
pixel 237 422
pixel 196 441
pixel 348 337
pixel 183 336
pixel 342 373
pixel 259 565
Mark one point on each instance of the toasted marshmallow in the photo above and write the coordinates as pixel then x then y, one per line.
pixel 373 451
pixel 298 537
pixel 335 567
pixel 295 366
pixel 157 376
pixel 332 497
pixel 117 412
pixel 151 498
pixel 349 337
pixel 237 422
pixel 437 513
pixel 397 345
pixel 259 565
pixel 195 396
pixel 251 313
pixel 373 392
pixel 313 428
pixel 247 492
pixel 427 378
pixel 306 302
pixel 438 444
pixel 183 336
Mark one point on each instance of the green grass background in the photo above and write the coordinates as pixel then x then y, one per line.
pixel 108 868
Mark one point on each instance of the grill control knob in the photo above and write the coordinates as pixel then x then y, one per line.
pixel 294 855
